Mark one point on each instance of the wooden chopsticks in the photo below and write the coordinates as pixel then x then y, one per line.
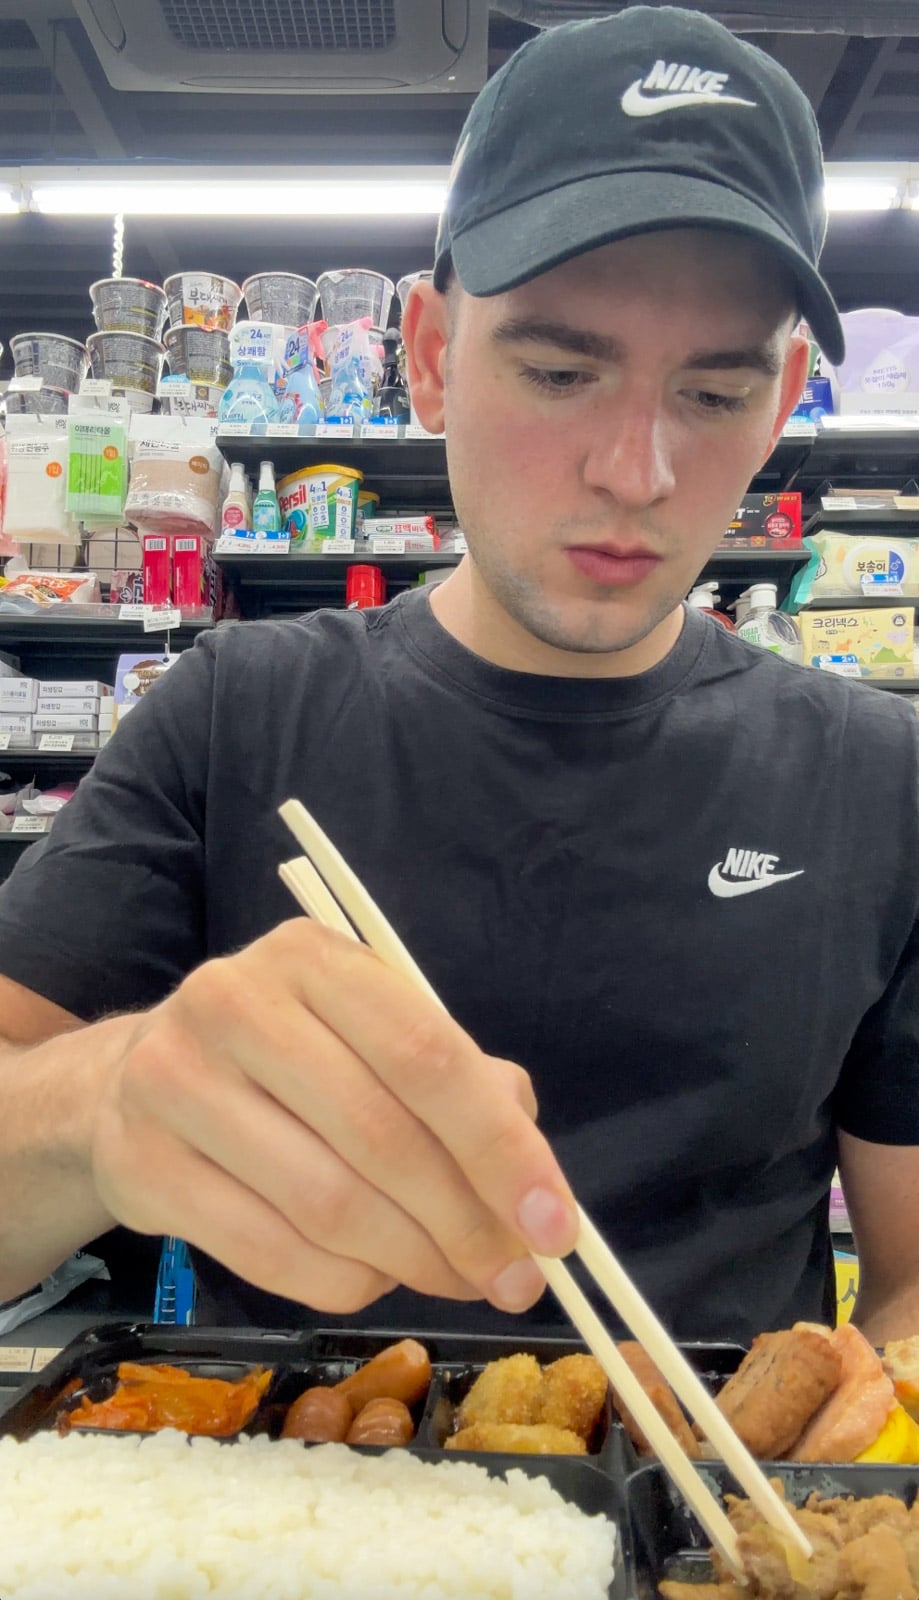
pixel 329 891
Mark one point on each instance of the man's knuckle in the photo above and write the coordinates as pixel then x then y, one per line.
pixel 426 1052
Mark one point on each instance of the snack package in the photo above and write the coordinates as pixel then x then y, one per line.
pixel 23 591
pixel 35 509
pixel 845 564
pixel 176 478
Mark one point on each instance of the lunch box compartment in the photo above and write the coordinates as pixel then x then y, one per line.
pixel 714 1363
pixel 663 1539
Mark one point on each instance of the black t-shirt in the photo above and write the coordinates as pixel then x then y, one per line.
pixel 684 901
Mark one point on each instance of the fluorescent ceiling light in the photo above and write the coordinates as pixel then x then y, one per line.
pixel 860 194
pixel 243 193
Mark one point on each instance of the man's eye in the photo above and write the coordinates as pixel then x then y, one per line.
pixel 556 380
pixel 706 400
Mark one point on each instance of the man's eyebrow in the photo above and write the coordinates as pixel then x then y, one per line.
pixel 755 357
pixel 598 347
pixel 540 330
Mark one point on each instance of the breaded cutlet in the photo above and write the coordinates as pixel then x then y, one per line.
pixel 779 1387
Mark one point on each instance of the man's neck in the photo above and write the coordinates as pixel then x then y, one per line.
pixel 466 608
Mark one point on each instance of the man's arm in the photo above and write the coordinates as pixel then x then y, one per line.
pixel 881 1183
pixel 50 1066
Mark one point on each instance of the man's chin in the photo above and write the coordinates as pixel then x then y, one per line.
pixel 589 629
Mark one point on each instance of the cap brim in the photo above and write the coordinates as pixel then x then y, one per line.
pixel 503 251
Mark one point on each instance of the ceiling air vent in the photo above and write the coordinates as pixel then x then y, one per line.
pixel 290 46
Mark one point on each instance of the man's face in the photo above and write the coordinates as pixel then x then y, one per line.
pixel 603 422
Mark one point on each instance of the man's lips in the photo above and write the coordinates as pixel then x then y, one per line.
pixel 612 565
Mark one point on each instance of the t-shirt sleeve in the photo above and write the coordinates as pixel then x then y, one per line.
pixel 877 1097
pixel 106 913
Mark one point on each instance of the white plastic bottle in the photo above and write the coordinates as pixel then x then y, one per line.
pixel 236 511
pixel 768 627
pixel 266 515
pixel 705 597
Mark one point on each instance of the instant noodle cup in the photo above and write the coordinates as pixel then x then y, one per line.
pixel 203 298
pixel 130 360
pixel 59 362
pixel 200 354
pixel 353 293
pixel 319 503
pixel 281 297
pixel 128 305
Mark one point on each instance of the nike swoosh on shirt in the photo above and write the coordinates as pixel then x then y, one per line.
pixel 725 889
pixel 636 104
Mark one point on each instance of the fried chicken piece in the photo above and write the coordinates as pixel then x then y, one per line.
pixel 573 1394
pixel 659 1391
pixel 507 1390
pixel 778 1388
pixel 523 1439
pixel 853 1518
pixel 877 1562
pixel 853 1416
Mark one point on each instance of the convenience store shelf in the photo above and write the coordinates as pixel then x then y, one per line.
pixel 858 602
pixel 73 760
pixel 306 569
pixel 870 519
pixel 70 635
pixel 755 566
pixel 410 474
pixel 893 685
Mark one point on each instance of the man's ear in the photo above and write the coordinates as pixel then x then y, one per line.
pixel 794 377
pixel 424 332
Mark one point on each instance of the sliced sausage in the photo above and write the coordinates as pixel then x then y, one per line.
pixel 320 1416
pixel 400 1372
pixel 382 1421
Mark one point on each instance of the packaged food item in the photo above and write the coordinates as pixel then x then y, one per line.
pixel 204 298
pixel 48 588
pixel 157 573
pixel 851 564
pixel 765 521
pixel 319 503
pixel 135 676
pixel 177 478
pixel 875 642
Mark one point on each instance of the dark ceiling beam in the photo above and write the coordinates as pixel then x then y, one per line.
pixel 843 145
pixel 82 97
pixel 811 58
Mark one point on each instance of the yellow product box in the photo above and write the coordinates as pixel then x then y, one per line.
pixel 870 643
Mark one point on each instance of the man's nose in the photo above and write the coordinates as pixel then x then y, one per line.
pixel 630 457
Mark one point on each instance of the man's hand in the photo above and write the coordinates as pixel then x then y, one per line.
pixel 312 1121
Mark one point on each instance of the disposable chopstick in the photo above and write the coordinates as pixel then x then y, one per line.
pixel 615 1283
pixel 305 884
pixel 610 1276
pixel 299 878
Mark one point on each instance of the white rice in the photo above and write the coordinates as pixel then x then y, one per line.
pixel 88 1518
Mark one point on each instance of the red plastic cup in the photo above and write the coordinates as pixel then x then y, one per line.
pixel 364 587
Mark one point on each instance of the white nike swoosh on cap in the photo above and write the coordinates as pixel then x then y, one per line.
pixel 725 889
pixel 636 104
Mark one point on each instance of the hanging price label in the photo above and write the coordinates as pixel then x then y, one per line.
pixel 839 502
pixel 246 542
pixel 61 742
pixel 159 619
pixel 97 386
pixel 5 740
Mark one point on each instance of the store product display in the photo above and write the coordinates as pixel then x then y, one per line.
pixel 765 522
pixel 30 707
pixel 867 642
pixel 765 625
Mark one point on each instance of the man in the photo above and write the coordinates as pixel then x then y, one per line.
pixel 547 773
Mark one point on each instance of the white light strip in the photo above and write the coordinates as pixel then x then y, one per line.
pixel 244 192
pixel 289 193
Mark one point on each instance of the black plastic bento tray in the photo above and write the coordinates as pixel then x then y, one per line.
pixel 662 1538
pixel 593 1483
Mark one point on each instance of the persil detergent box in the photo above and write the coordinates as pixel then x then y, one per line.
pixel 881 368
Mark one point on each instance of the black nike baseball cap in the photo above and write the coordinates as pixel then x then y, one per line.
pixel 654 118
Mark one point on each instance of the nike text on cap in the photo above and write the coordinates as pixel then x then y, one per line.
pixel 654 118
